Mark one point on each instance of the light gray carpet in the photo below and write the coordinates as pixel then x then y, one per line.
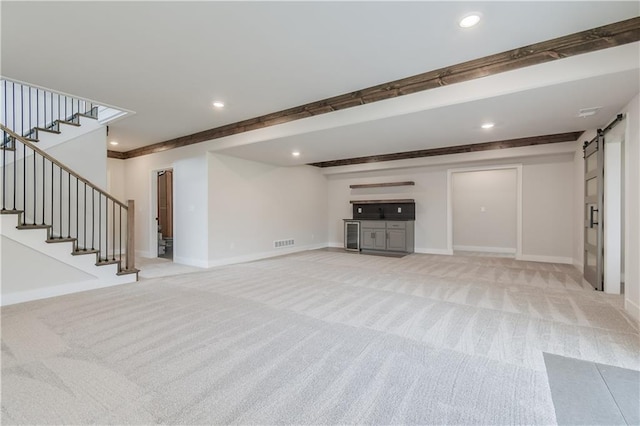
pixel 313 338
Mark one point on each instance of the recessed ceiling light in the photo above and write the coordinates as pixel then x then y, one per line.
pixel 487 125
pixel 114 143
pixel 295 154
pixel 469 20
pixel 218 104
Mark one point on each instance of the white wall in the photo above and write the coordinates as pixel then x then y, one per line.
pixel 485 210
pixel 227 210
pixel 190 211
pixel 429 193
pixel 547 216
pixel 86 155
pixel 116 179
pixel 140 175
pixel 252 204
pixel 547 193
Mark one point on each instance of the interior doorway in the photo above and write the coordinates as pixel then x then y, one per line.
pixel 165 213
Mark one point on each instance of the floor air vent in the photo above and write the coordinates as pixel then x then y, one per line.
pixel 283 243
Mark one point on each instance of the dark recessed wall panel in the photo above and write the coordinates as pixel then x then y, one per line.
pixel 386 211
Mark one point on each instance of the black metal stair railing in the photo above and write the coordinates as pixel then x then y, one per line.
pixel 46 193
pixel 27 109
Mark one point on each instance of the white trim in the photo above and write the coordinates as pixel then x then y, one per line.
pixel 422 250
pixel 47 292
pixel 632 309
pixel 153 212
pixel 336 245
pixel 518 168
pixel 258 256
pixel 546 259
pixel 200 263
pixel 508 250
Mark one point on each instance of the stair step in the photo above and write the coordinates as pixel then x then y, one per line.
pixel 31 139
pixel 80 114
pixel 27 226
pixel 69 123
pixel 107 262
pixel 3 211
pixel 42 129
pixel 128 271
pixel 61 240
pixel 81 252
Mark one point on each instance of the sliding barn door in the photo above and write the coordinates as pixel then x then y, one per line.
pixel 593 213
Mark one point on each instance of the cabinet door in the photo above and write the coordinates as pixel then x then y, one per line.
pixel 381 239
pixel 397 240
pixel 367 238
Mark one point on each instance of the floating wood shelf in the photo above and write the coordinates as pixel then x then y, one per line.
pixel 403 201
pixel 382 185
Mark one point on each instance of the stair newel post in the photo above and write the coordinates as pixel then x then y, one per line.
pixel 52 199
pixel 131 248
pixel 43 190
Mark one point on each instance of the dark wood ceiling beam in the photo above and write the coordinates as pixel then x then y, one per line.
pixel 116 154
pixel 459 149
pixel 604 37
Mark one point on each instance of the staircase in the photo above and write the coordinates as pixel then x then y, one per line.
pixel 48 212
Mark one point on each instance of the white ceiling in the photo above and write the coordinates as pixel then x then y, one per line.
pixel 168 61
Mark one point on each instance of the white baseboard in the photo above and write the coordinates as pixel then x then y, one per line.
pixel 546 259
pixel 423 250
pixel 200 263
pixel 60 290
pixel 336 245
pixel 506 250
pixel 632 308
pixel 262 255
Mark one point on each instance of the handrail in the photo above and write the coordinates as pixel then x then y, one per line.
pixel 41 190
pixel 59 164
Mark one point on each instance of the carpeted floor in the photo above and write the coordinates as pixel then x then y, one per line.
pixel 317 337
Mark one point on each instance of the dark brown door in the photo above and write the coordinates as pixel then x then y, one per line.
pixel 593 213
pixel 165 203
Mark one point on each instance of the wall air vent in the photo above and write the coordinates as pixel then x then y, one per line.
pixel 283 243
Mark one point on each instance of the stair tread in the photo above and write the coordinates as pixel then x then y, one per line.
pixel 42 129
pixel 128 271
pixel 81 252
pixel 28 226
pixel 80 114
pixel 107 262
pixel 3 211
pixel 69 123
pixel 61 240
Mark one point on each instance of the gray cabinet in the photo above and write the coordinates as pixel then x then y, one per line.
pixel 372 235
pixel 397 236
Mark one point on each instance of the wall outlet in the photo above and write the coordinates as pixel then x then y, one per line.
pixel 359 209
pixel 399 209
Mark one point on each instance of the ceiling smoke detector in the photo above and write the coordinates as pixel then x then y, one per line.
pixel 588 112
